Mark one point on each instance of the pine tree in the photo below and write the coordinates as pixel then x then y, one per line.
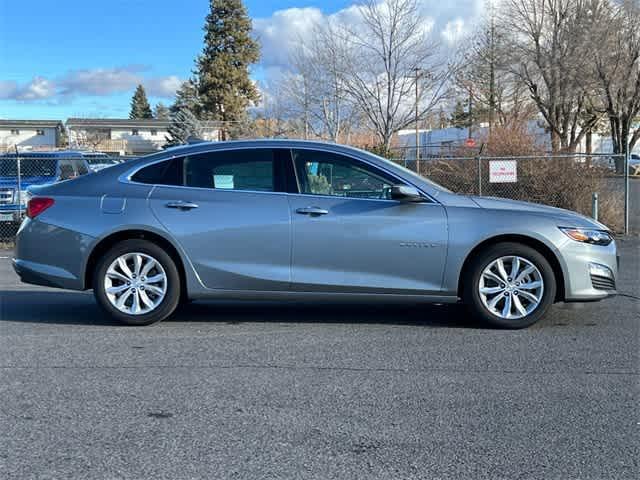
pixel 140 107
pixel 459 117
pixel 161 112
pixel 184 125
pixel 186 97
pixel 222 69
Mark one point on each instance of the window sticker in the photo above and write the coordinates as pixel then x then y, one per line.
pixel 223 182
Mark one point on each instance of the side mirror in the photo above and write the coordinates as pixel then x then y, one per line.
pixel 406 193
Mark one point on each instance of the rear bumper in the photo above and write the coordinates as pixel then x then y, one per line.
pixel 45 275
pixel 49 255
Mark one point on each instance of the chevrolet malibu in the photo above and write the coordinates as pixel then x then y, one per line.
pixel 294 220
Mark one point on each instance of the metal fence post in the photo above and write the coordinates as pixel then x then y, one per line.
pixel 594 206
pixel 479 175
pixel 18 198
pixel 627 157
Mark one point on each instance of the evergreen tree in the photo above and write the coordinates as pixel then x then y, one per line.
pixel 222 69
pixel 161 112
pixel 184 125
pixel 140 107
pixel 459 118
pixel 186 97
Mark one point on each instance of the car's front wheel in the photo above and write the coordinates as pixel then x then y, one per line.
pixel 510 285
pixel 137 283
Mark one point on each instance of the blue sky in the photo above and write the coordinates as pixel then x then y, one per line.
pixel 83 58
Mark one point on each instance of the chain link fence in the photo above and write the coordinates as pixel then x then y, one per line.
pixel 19 172
pixel 587 184
pixel 584 183
pixel 12 198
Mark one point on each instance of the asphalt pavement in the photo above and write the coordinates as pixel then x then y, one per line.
pixel 265 391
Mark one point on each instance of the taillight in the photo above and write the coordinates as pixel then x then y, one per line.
pixel 37 205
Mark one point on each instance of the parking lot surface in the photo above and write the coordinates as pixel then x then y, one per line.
pixel 306 391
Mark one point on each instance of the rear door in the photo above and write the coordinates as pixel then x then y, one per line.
pixel 229 212
pixel 348 236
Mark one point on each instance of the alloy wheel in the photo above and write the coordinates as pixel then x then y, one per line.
pixel 135 283
pixel 511 287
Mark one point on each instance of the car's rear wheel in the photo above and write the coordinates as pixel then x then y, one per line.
pixel 509 285
pixel 137 282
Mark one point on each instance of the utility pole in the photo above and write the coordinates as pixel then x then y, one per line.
pixel 417 70
pixel 492 69
pixel 627 157
pixel 470 134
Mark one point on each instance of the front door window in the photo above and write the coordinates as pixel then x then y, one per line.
pixel 325 173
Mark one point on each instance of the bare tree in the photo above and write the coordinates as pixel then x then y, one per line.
pixel 497 96
pixel 549 41
pixel 316 87
pixel 617 69
pixel 377 60
pixel 88 138
pixel 277 116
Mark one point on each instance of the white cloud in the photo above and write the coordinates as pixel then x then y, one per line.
pixel 100 81
pixel 454 31
pixel 97 82
pixel 280 33
pixel 38 88
pixel 8 89
pixel 163 86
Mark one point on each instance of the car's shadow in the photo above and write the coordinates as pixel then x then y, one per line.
pixel 73 308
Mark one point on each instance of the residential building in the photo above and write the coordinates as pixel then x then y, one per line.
pixel 30 134
pixel 124 136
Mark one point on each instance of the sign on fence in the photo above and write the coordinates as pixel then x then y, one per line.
pixel 503 171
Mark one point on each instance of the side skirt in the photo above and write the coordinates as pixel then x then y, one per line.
pixel 383 298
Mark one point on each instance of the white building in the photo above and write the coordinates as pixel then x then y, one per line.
pixel 123 136
pixel 29 134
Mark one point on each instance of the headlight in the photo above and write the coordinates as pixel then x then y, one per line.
pixel 585 235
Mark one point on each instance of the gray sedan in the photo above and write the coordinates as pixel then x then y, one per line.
pixel 294 220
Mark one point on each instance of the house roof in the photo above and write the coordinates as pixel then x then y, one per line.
pixel 118 122
pixel 61 154
pixel 30 123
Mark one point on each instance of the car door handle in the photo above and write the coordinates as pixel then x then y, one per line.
pixel 313 211
pixel 182 205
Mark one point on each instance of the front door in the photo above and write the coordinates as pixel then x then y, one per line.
pixel 348 236
pixel 231 217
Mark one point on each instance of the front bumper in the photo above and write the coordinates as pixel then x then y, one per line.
pixel 11 214
pixel 591 271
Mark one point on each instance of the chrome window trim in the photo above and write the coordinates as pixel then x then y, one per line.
pixel 126 177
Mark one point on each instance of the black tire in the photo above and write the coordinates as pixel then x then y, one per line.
pixel 471 282
pixel 172 295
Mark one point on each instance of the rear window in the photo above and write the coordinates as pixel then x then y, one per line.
pixel 29 167
pixel 168 172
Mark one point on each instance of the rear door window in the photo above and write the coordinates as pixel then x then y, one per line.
pixel 81 167
pixel 249 170
pixel 257 169
pixel 66 170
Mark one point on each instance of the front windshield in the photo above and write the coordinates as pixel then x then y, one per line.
pixel 29 167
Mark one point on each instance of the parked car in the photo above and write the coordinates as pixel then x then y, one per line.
pixel 634 165
pixel 99 161
pixel 307 221
pixel 36 168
